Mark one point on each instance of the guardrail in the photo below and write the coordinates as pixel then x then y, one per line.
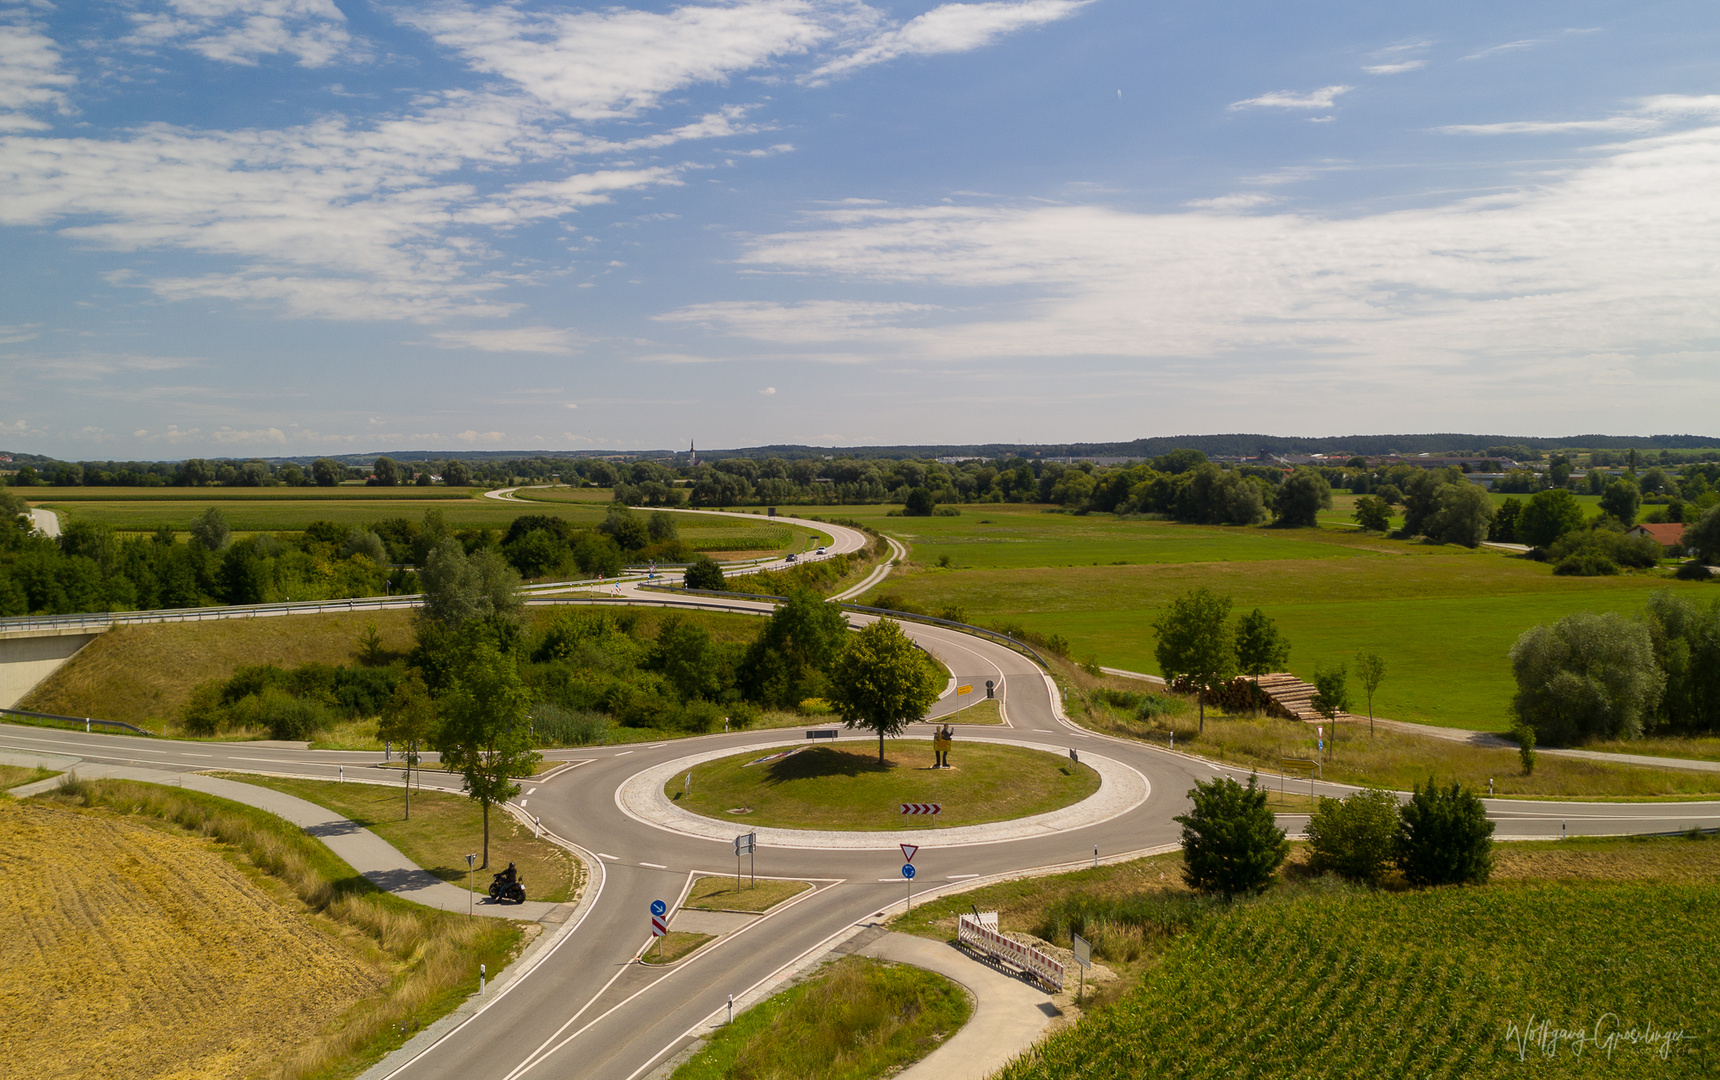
pixel 224 611
pixel 84 720
pixel 967 628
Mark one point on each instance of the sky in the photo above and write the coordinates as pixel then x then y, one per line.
pixel 282 227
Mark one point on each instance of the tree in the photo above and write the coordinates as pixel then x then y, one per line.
pixel 1702 539
pixel 1559 470
pixel 1193 643
pixel 327 472
pixel 387 472
pixel 1355 838
pixel 625 527
pixel 1549 515
pixel 882 681
pixel 704 573
pixel 1621 499
pixel 1445 837
pixel 792 658
pixel 1331 695
pixel 210 531
pixel 361 541
pixel 1586 677
pixel 1260 648
pixel 919 504
pixel 1373 514
pixel 1654 481
pixel 1462 513
pixel 1371 671
pixel 1300 499
pixel 456 474
pixel 459 588
pixel 409 719
pixel 684 653
pixel 1504 527
pixel 660 528
pixel 1231 843
pixel 485 734
pixel 1686 639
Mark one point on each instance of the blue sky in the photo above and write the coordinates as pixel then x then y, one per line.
pixel 267 227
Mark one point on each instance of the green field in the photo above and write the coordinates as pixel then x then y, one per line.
pixel 845 788
pixel 1443 617
pixel 1335 982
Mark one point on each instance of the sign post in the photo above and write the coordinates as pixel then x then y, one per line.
pixel 932 808
pixel 908 874
pixel 659 924
pixel 746 844
pixel 1084 957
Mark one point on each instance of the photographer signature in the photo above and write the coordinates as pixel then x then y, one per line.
pixel 1607 1034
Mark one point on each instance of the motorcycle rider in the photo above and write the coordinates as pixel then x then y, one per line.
pixel 508 876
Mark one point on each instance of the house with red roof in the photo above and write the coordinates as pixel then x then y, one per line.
pixel 1669 535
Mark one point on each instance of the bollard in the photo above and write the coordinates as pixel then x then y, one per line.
pixel 1489 787
pixel 343 774
pixel 1095 856
pixel 481 974
pixel 731 1008
pixel 1562 833
pixel 1173 739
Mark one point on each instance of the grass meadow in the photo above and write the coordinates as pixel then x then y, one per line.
pixel 1443 617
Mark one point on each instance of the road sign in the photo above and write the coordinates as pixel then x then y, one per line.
pixel 908 871
pixel 745 843
pixel 922 808
pixel 960 690
pixel 659 926
pixel 658 907
pixel 908 851
pixel 990 688
pixel 1083 951
pixel 1073 756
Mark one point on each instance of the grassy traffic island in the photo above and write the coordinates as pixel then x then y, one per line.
pixel 835 787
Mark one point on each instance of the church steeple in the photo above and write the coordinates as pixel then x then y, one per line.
pixel 692 454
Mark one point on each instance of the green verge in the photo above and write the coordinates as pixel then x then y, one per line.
pixel 672 946
pixel 12 776
pixel 844 787
pixel 437 955
pixel 858 1020
pixel 443 829
pixel 718 893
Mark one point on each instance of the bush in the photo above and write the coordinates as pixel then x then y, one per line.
pixel 203 713
pixel 557 726
pixel 705 573
pixel 1231 843
pixel 1354 838
pixel 1694 571
pixel 814 706
pixel 1445 838
pixel 700 717
pixel 1525 747
pixel 286 717
pixel 744 714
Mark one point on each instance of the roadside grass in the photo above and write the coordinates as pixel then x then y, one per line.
pixel 12 776
pixel 144 674
pixel 1386 759
pixel 672 946
pixel 430 958
pixel 442 830
pixel 717 893
pixel 1370 983
pixel 855 1020
pixel 844 787
pixel 1694 747
pixel 983 711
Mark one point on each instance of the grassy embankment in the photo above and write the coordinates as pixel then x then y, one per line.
pixel 173 933
pixel 1319 978
pixel 718 893
pixel 1384 759
pixel 846 788
pixel 442 830
pixel 857 1020
pixel 1444 618
pixel 12 776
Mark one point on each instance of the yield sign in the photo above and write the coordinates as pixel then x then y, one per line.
pixel 908 851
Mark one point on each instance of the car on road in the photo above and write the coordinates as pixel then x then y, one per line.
pixel 792 557
pixel 822 550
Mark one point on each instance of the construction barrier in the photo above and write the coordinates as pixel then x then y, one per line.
pixel 970 931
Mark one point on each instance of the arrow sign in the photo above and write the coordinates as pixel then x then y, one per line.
pixel 908 851
pixel 921 808
pixel 908 871
pixel 659 908
pixel 960 690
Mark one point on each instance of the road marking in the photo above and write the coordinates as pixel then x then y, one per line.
pixel 624 753
pixel 200 755
pixel 606 855
pixel 530 791
pixel 284 761
pixel 958 877
pixel 655 745
pixel 522 802
pixel 654 865
pixel 1042 731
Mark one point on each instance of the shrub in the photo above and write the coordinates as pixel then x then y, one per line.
pixel 744 714
pixel 705 573
pixel 203 713
pixel 1525 747
pixel 700 717
pixel 1354 838
pixel 1231 843
pixel 557 726
pixel 284 716
pixel 814 706
pixel 1694 571
pixel 1445 837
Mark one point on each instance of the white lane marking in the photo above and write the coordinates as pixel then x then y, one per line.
pixel 1040 730
pixel 606 855
pixel 624 753
pixel 958 877
pixel 522 802
pixel 655 745
pixel 530 791
pixel 200 755
pixel 284 761
pixel 654 865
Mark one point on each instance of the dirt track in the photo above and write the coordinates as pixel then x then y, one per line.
pixel 133 952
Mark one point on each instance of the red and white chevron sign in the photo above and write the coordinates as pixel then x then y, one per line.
pixel 922 808
pixel 659 925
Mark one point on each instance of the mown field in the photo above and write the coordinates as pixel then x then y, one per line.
pixel 134 952
pixel 846 788
pixel 1444 618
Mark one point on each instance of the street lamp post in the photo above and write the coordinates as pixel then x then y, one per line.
pixel 470 887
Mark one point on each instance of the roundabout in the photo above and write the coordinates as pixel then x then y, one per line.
pixel 1088 791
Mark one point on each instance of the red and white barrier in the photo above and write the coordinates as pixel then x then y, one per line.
pixel 975 934
pixel 922 808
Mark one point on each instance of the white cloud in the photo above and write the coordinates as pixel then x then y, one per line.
pixel 519 339
pixel 952 28
pixel 20 332
pixel 228 436
pixel 812 321
pixel 30 75
pixel 596 65
pixel 1509 46
pixel 1395 69
pixel 1248 200
pixel 767 391
pixel 1323 98
pixel 1614 258
pixel 241 31
pixel 1651 114
pixel 473 437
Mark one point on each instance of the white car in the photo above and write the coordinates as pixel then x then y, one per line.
pixel 822 550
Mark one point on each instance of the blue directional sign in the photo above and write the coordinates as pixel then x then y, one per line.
pixel 658 907
pixel 908 871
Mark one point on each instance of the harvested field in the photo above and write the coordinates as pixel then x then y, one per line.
pixel 133 952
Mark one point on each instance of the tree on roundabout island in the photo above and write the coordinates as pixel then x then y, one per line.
pixel 883 681
pixel 486 728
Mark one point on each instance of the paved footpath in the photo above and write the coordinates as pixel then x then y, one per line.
pixel 378 860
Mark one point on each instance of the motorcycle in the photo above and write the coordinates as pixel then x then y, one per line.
pixel 502 891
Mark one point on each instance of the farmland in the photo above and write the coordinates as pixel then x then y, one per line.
pixel 1443 617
